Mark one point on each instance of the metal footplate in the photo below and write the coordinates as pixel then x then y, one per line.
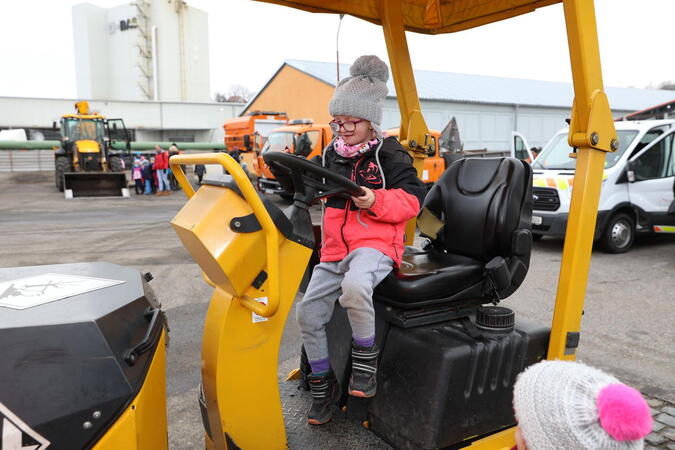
pixel 340 432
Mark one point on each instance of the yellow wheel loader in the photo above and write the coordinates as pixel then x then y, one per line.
pixel 85 164
pixel 84 367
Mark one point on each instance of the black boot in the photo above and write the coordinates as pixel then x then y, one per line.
pixel 324 391
pixel 363 382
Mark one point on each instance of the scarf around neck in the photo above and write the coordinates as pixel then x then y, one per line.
pixel 350 151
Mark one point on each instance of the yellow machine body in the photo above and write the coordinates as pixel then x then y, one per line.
pixel 244 323
pixel 203 225
pixel 88 146
pixel 143 424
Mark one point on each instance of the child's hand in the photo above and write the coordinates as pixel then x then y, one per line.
pixel 366 200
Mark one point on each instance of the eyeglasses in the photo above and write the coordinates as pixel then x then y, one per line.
pixel 349 125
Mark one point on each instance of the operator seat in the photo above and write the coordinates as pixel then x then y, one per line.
pixel 477 218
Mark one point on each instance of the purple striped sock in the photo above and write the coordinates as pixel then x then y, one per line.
pixel 320 366
pixel 364 342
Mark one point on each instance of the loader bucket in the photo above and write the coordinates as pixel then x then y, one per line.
pixel 95 184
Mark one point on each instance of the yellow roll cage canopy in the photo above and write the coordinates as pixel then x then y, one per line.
pixel 426 16
pixel 591 132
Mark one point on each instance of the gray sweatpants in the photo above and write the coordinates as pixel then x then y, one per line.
pixel 351 282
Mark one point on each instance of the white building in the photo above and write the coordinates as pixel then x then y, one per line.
pixel 146 50
pixel 147 120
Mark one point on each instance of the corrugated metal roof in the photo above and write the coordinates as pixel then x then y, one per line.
pixel 460 87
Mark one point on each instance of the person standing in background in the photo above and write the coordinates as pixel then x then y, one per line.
pixel 146 172
pixel 162 167
pixel 200 170
pixel 235 153
pixel 155 179
pixel 137 176
pixel 173 183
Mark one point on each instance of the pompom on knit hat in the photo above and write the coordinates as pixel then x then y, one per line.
pixel 362 94
pixel 568 405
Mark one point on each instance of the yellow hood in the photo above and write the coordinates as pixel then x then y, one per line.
pixel 87 146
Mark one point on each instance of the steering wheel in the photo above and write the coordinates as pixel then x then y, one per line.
pixel 306 176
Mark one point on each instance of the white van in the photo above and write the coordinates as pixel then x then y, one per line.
pixel 637 188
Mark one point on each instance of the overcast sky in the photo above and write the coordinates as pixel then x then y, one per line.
pixel 250 40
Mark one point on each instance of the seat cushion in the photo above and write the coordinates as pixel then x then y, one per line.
pixel 425 276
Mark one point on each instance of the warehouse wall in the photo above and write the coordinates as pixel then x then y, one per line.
pixel 489 126
pixel 297 94
pixel 481 125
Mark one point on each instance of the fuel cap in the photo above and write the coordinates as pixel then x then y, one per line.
pixel 495 318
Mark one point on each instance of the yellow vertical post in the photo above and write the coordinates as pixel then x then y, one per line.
pixel 414 130
pixel 592 133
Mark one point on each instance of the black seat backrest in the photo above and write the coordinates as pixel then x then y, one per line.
pixel 486 207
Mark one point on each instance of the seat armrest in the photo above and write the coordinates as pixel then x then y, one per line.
pixel 522 242
pixel 498 273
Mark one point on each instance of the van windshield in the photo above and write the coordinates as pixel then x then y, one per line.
pixel 279 141
pixel 556 153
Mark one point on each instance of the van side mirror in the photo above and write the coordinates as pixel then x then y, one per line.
pixel 247 141
pixel 630 171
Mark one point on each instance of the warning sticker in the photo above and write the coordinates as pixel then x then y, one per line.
pixel 34 291
pixel 255 318
pixel 16 434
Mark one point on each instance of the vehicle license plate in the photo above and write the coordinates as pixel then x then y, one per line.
pixel 270 191
pixel 536 220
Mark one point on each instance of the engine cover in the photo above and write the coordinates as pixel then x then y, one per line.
pixel 64 333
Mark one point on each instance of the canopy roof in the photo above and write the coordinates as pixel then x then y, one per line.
pixel 426 16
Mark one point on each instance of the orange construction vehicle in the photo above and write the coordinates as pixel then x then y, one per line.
pixel 434 164
pixel 445 147
pixel 301 137
pixel 249 133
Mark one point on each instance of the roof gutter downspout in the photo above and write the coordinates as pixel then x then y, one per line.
pixel 155 69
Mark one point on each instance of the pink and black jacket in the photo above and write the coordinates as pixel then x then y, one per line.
pixel 398 196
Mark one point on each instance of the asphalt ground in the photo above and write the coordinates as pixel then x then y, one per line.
pixel 627 327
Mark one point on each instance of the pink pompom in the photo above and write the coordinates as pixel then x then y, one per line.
pixel 624 414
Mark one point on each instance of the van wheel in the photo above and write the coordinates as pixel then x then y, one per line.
pixel 619 234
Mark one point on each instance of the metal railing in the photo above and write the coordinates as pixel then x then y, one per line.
pixel 32 160
pixel 26 160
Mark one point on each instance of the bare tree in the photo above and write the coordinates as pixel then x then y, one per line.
pixel 237 93
pixel 219 97
pixel 667 85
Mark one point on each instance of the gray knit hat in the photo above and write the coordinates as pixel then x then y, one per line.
pixel 568 405
pixel 362 95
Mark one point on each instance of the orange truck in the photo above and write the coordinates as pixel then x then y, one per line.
pixel 301 137
pixel 249 133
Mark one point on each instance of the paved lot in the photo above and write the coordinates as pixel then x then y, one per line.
pixel 627 327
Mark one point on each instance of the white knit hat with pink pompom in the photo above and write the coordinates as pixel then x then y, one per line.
pixel 568 405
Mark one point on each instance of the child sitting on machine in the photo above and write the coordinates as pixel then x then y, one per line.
pixel 363 237
pixel 568 405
